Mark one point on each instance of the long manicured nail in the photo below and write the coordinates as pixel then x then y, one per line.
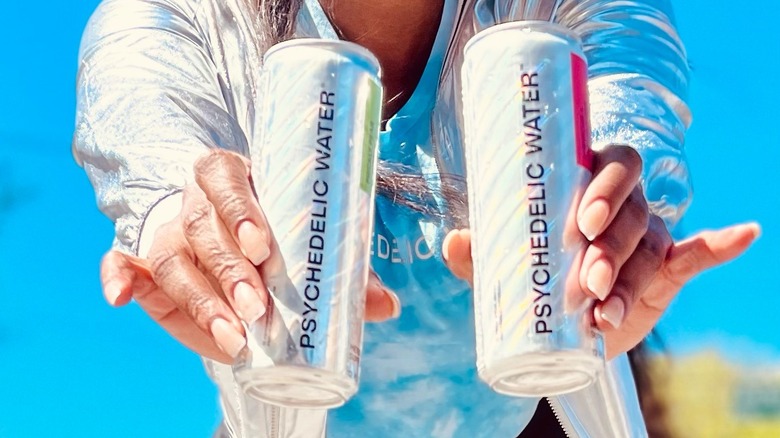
pixel 599 278
pixel 755 228
pixel 613 311
pixel 396 303
pixel 252 244
pixel 445 247
pixel 227 337
pixel 250 307
pixel 594 218
pixel 112 291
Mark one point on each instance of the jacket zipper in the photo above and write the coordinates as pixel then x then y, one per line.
pixel 275 430
pixel 563 420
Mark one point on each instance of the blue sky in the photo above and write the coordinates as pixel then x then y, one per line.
pixel 733 150
pixel 72 366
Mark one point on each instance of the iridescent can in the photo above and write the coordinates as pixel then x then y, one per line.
pixel 526 121
pixel 314 176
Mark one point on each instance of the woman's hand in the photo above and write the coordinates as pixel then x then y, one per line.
pixel 202 275
pixel 631 266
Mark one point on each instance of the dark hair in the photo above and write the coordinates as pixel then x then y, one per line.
pixel 277 19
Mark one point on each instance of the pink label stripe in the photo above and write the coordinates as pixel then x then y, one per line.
pixel 579 82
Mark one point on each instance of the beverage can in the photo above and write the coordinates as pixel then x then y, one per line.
pixel 314 177
pixel 528 157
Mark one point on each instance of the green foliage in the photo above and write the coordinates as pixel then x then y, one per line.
pixel 708 397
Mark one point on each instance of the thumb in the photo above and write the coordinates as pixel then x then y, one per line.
pixel 381 303
pixel 708 249
pixel 456 250
pixel 120 274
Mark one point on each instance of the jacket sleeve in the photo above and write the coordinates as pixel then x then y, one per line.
pixel 149 103
pixel 638 86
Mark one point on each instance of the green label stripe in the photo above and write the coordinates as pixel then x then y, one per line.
pixel 370 137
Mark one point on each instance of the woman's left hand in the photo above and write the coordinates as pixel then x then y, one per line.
pixel 632 266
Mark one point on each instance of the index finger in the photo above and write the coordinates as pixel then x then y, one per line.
pixel 617 171
pixel 225 179
pixel 708 249
pixel 456 250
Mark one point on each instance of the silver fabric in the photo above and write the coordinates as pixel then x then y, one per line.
pixel 162 81
pixel 193 67
pixel 609 408
pixel 159 83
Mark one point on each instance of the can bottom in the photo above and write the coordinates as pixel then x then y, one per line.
pixel 296 387
pixel 543 374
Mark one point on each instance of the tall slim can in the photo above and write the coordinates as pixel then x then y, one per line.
pixel 528 156
pixel 314 176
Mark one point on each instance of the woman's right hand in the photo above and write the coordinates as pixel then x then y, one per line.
pixel 202 275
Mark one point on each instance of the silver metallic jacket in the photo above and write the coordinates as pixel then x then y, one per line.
pixel 162 81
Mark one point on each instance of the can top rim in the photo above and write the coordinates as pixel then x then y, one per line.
pixel 343 46
pixel 530 26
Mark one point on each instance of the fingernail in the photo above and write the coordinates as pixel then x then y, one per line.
pixel 252 243
pixel 599 278
pixel 445 247
pixel 112 291
pixel 227 337
pixel 594 218
pixel 613 311
pixel 396 303
pixel 250 307
pixel 756 228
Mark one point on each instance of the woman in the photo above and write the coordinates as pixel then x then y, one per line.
pixel 167 114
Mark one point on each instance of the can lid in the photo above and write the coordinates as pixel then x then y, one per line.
pixel 529 26
pixel 356 52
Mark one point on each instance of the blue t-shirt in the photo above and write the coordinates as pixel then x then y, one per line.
pixel 418 373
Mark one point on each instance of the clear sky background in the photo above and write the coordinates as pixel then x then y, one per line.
pixel 72 366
